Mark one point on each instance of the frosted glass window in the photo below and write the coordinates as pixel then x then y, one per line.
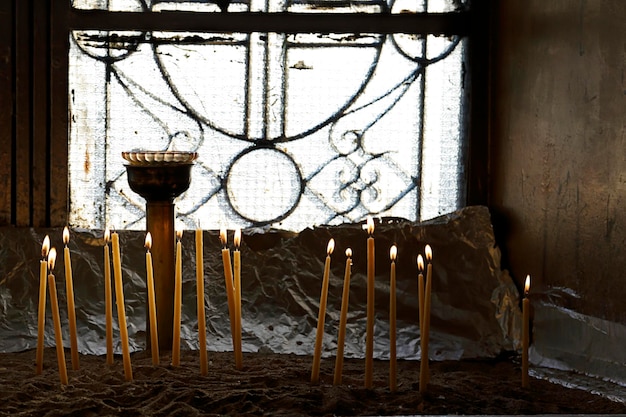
pixel 292 130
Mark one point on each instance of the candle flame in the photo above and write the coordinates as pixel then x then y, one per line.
pixel 179 234
pixel 107 236
pixel 429 253
pixel 66 235
pixel 223 238
pixel 331 246
pixel 527 285
pixel 52 257
pixel 148 244
pixel 370 225
pixel 420 262
pixel 349 253
pixel 45 247
pixel 237 237
pixel 393 252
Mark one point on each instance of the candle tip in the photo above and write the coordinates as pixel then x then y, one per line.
pixel 52 256
pixel 66 235
pixel 527 285
pixel 370 225
pixel 107 236
pixel 148 243
pixel 429 253
pixel 237 237
pixel 420 262
pixel 393 252
pixel 349 253
pixel 45 247
pixel 331 246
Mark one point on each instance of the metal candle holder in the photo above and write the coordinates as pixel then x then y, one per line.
pixel 160 177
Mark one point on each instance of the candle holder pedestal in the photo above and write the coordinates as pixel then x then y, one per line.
pixel 160 177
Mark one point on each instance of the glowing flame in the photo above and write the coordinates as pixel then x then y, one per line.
pixel 349 253
pixel 107 236
pixel 420 262
pixel 179 234
pixel 223 236
pixel 148 244
pixel 237 237
pixel 45 247
pixel 393 252
pixel 52 257
pixel 429 253
pixel 370 225
pixel 66 235
pixel 527 285
pixel 331 246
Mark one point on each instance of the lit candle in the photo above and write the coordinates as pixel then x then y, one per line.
pixel 424 366
pixel 41 314
pixel 154 332
pixel 237 298
pixel 108 298
pixel 343 319
pixel 369 338
pixel 54 305
pixel 178 295
pixel 393 252
pixel 525 332
pixel 228 278
pixel 319 335
pixel 69 289
pixel 121 308
pixel 420 292
pixel 204 366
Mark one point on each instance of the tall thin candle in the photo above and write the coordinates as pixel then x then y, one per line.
pixel 393 385
pixel 343 318
pixel 41 313
pixel 425 333
pixel 228 281
pixel 121 308
pixel 369 337
pixel 420 292
pixel 237 298
pixel 204 365
pixel 54 304
pixel 319 334
pixel 178 295
pixel 525 332
pixel 69 289
pixel 154 332
pixel 108 298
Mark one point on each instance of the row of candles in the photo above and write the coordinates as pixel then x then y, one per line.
pixel 232 275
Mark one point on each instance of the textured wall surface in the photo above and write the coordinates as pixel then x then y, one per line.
pixel 558 157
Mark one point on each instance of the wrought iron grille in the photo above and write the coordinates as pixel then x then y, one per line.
pixel 292 130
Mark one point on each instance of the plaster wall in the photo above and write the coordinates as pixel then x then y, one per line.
pixel 558 155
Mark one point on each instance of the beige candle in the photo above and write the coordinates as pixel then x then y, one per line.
pixel 319 334
pixel 393 252
pixel 69 289
pixel 54 305
pixel 525 332
pixel 420 292
pixel 343 319
pixel 154 332
pixel 228 280
pixel 237 298
pixel 178 295
pixel 108 298
pixel 369 337
pixel 424 365
pixel 121 308
pixel 41 313
pixel 204 365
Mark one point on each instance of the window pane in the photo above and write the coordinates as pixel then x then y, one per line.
pixel 299 6
pixel 291 130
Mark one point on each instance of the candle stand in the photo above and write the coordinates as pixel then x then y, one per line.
pixel 160 177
